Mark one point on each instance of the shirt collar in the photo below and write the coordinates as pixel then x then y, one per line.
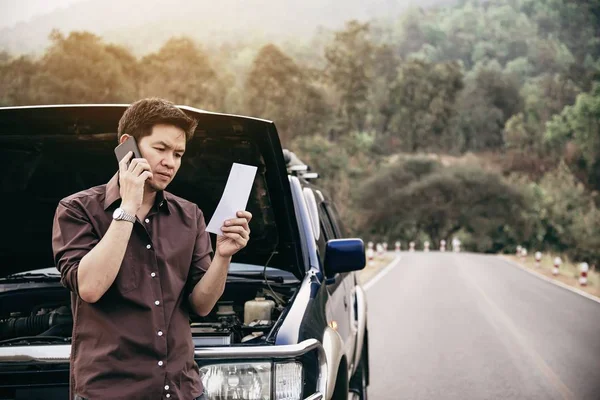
pixel 113 194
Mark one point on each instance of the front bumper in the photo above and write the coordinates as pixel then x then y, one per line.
pixel 58 354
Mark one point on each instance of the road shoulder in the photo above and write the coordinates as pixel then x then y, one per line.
pixel 376 268
pixel 553 281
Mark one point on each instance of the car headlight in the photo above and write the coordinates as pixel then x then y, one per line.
pixel 252 381
pixel 288 381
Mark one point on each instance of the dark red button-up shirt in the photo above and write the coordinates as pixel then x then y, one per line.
pixel 135 342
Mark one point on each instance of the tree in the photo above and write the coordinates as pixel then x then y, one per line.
pixel 424 96
pixel 17 86
pixel 580 124
pixel 570 218
pixel 81 68
pixel 278 89
pixel 348 70
pixel 489 99
pixel 181 72
pixel 543 96
pixel 443 201
pixel 385 67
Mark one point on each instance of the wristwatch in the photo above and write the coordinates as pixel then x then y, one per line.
pixel 121 215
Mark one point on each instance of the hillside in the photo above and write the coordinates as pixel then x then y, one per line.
pixel 144 25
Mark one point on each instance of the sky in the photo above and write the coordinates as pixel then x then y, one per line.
pixel 15 11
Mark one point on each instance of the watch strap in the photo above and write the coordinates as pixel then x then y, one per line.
pixel 122 215
pixel 127 217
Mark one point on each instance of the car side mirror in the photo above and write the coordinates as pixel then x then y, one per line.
pixel 344 255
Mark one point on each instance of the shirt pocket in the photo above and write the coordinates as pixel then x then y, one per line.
pixel 128 277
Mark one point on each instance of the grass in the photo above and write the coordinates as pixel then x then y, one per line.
pixel 568 271
pixel 375 266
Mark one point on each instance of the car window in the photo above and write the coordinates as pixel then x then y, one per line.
pixel 326 225
pixel 336 221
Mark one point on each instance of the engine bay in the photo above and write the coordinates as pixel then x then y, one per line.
pixel 246 313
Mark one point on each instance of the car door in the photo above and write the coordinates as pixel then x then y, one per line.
pixel 350 317
pixel 339 290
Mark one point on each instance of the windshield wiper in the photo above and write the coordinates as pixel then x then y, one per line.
pixel 257 276
pixel 30 275
pixel 30 339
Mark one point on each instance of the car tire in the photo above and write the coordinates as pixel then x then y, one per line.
pixel 341 391
pixel 359 381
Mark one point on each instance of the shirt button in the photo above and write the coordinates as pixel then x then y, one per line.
pixel 166 387
pixel 147 220
pixel 160 363
pixel 157 302
pixel 148 247
pixel 168 395
pixel 153 274
pixel 159 333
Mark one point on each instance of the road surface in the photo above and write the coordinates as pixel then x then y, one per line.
pixel 469 326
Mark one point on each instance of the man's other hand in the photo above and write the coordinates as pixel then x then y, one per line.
pixel 236 233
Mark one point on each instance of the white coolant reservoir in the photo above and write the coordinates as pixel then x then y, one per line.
pixel 258 309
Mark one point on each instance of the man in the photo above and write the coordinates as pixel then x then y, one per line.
pixel 136 258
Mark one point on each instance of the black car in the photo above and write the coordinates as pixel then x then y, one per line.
pixel 292 323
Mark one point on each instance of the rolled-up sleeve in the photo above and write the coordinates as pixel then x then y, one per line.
pixel 202 256
pixel 73 237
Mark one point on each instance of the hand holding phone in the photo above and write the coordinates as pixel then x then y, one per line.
pixel 127 146
pixel 132 177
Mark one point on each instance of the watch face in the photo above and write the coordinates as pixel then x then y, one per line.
pixel 118 213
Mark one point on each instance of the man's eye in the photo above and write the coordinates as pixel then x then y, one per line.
pixel 159 148
pixel 178 155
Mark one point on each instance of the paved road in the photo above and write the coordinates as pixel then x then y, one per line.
pixel 467 326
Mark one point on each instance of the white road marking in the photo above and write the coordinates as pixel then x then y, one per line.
pixel 554 281
pixel 500 316
pixel 381 274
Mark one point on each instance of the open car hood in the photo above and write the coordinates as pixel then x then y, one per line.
pixel 50 152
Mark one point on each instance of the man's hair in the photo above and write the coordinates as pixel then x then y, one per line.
pixel 141 116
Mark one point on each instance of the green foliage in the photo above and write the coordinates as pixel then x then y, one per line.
pixel 569 216
pixel 340 166
pixel 489 99
pixel 17 81
pixel 543 96
pixel 182 72
pixel 580 123
pixel 423 98
pixel 349 70
pixel 280 90
pixel 516 79
pixel 78 68
pixel 419 195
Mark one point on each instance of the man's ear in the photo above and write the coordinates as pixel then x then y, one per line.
pixel 123 138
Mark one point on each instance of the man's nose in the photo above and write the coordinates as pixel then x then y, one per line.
pixel 169 160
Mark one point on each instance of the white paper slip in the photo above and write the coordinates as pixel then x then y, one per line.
pixel 235 196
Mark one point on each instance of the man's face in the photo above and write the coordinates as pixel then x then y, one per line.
pixel 163 150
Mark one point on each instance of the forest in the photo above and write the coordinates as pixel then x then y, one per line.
pixel 474 119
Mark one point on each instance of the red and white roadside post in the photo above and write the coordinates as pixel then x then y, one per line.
pixel 412 246
pixel 397 247
pixel 538 259
pixel 370 253
pixel 518 250
pixel 379 249
pixel 456 245
pixel 426 246
pixel 583 268
pixel 523 253
pixel 442 245
pixel 557 262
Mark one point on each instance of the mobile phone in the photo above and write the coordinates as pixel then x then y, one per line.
pixel 127 146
